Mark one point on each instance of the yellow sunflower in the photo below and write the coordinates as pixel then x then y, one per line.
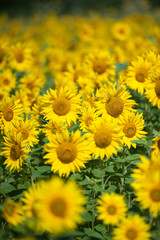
pixel 62 105
pixel 67 153
pixel 137 74
pixel 114 103
pixel 88 117
pixel 28 130
pixel 15 151
pixel 132 126
pixel 22 97
pixel 149 194
pixel 10 112
pixel 121 31
pixel 104 138
pixel 111 209
pixel 53 127
pixel 60 205
pixel 132 228
pixel 156 146
pixel 13 212
pixel 7 80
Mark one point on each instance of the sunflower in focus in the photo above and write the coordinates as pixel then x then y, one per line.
pixel 62 105
pixel 67 153
pixel 88 117
pixel 104 138
pixel 15 151
pixel 60 205
pixel 132 126
pixel 10 112
pixel 114 103
pixel 53 127
pixel 132 228
pixel 111 209
pixel 138 73
pixel 13 212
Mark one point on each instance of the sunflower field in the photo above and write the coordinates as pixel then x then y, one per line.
pixel 80 127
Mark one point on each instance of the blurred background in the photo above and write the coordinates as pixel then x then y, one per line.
pixel 27 7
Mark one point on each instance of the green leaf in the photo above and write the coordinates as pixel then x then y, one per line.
pixel 111 188
pixel 6 188
pixel 98 173
pixel 132 157
pixel 92 233
pixel 87 216
pixel 101 228
pixel 44 169
pixel 76 176
pixel 110 168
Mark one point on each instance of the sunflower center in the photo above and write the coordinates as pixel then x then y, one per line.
pixel 15 152
pixel 66 152
pixel 10 209
pixel 102 138
pixel 158 144
pixel 99 66
pixel 1 97
pixel 140 77
pixel 129 130
pixel 58 207
pixel 24 134
pixel 1 55
pixel 61 106
pixel 88 121
pixel 131 234
pixel 155 195
pixel 8 114
pixel 157 89
pixel 115 106
pixel 111 210
pixel 6 81
pixel 19 57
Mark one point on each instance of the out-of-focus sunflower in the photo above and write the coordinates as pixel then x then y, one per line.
pixel 7 80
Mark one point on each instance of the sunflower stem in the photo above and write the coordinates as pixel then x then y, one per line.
pixel 102 167
pixel 158 226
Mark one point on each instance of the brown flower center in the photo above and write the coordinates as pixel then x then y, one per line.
pixel 155 194
pixel 102 138
pixel 140 77
pixel 15 152
pixel 8 114
pixel 58 207
pixel 9 209
pixel 99 66
pixel 131 234
pixel 129 130
pixel 19 57
pixel 61 106
pixel 66 152
pixel 157 89
pixel 24 133
pixel 111 209
pixel 88 121
pixel 158 144
pixel 5 81
pixel 115 106
pixel 1 96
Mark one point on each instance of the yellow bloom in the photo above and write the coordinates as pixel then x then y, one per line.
pixel 104 138
pixel 13 213
pixel 62 105
pixel 15 151
pixel 7 80
pixel 67 153
pixel 156 146
pixel 53 127
pixel 112 208
pixel 132 125
pixel 59 206
pixel 88 117
pixel 121 31
pixel 132 228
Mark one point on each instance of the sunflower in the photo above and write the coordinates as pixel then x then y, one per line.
pixel 7 80
pixel 59 206
pixel 22 97
pixel 15 150
pixel 149 194
pixel 121 31
pixel 152 88
pixel 62 105
pixel 132 125
pixel 138 73
pixel 13 212
pixel 3 94
pixel 10 112
pixel 132 228
pixel 104 138
pixel 20 57
pixel 88 117
pixel 28 130
pixel 112 208
pixel 114 102
pixel 67 153
pixel 156 146
pixel 53 127
pixel 101 67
